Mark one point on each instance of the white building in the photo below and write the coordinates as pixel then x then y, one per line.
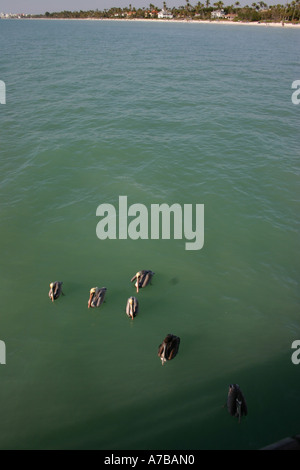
pixel 164 14
pixel 217 14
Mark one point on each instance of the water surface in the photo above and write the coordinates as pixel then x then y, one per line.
pixel 161 113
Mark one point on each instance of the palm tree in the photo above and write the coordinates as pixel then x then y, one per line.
pixel 219 5
pixel 294 10
pixel 262 5
pixel 199 7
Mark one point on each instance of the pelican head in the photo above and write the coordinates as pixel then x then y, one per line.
pixel 55 290
pixel 93 290
pixel 169 348
pixel 236 402
pixel 51 293
pixel 138 275
pixel 131 307
pixel 163 355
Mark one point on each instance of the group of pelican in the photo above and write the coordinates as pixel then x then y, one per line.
pixel 168 349
pixel 142 278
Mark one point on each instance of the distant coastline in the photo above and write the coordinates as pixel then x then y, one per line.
pixel 259 13
pixel 175 20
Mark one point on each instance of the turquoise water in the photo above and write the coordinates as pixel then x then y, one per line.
pixel 161 113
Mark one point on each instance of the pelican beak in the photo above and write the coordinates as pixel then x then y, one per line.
pixel 93 290
pixel 163 358
pixel 51 292
pixel 131 310
pixel 137 282
pixel 239 409
pixel 90 299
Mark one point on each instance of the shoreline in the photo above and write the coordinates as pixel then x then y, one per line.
pixel 183 21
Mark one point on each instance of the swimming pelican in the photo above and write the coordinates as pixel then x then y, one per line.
pixel 142 279
pixel 55 290
pixel 236 402
pixel 169 348
pixel 132 307
pixel 96 297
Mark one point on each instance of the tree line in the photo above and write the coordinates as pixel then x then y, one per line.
pixel 259 11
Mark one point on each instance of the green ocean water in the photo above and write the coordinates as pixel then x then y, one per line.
pixel 160 113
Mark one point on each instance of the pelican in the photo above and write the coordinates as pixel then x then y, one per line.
pixel 132 307
pixel 55 290
pixel 236 402
pixel 96 297
pixel 142 279
pixel 169 348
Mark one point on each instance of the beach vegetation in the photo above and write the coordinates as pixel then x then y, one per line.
pixel 205 10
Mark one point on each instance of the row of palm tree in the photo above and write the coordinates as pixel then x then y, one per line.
pixel 257 11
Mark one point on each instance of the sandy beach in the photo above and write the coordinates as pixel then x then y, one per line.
pixel 235 23
pixel 226 22
pixel 183 21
